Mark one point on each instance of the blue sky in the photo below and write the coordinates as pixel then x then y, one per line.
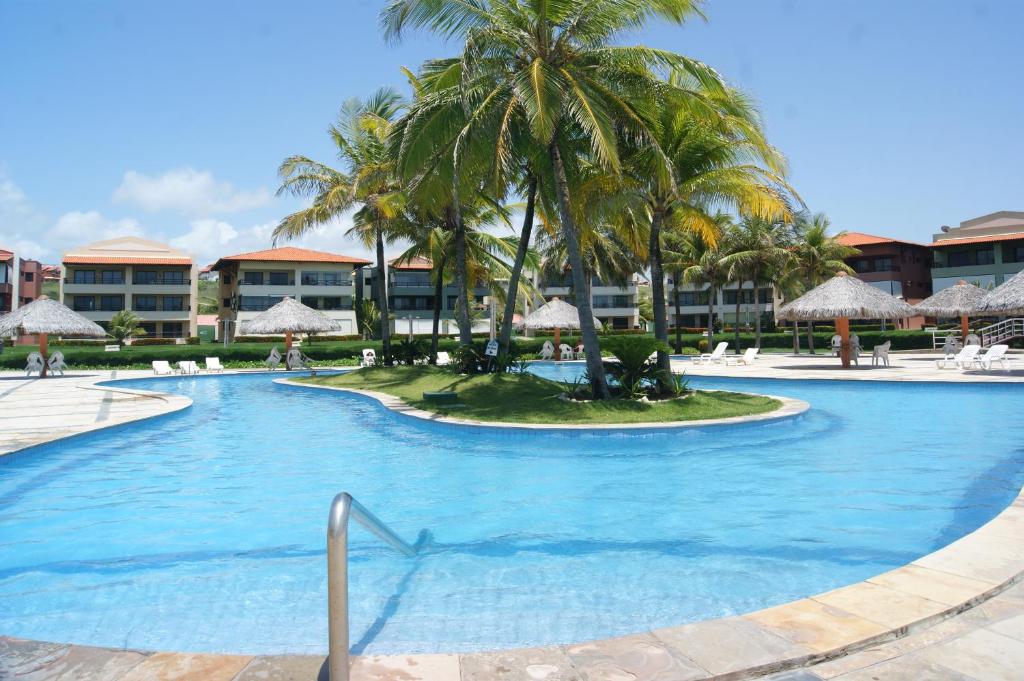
pixel 169 119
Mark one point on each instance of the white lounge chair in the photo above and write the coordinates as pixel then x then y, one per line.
pixel 188 367
pixel 55 364
pixel 837 343
pixel 162 367
pixel 273 359
pixel 213 365
pixel 565 351
pixel 34 364
pixel 880 353
pixel 748 357
pixel 296 360
pixel 443 359
pixel 713 357
pixel 369 358
pixel 967 356
pixel 996 353
pixel 547 351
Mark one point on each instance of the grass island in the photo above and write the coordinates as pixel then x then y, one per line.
pixel 526 398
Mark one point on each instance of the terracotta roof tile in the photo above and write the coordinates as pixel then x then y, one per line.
pixel 290 254
pixel 416 263
pixel 862 239
pixel 1015 236
pixel 123 260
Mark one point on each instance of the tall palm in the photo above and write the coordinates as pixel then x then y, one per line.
pixel 694 259
pixel 551 67
pixel 816 256
pixel 367 183
pixel 759 252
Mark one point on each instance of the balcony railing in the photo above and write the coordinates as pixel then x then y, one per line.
pixel 290 282
pixel 173 282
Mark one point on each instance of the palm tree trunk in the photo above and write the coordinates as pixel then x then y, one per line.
pixel 810 337
pixel 358 303
pixel 736 324
pixel 658 293
pixel 796 337
pixel 679 331
pixel 462 283
pixel 591 344
pixel 505 335
pixel 382 300
pixel 712 294
pixel 438 296
pixel 757 311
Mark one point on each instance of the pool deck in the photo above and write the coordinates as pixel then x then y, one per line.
pixel 957 613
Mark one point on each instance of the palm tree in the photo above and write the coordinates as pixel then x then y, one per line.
pixel 692 258
pixel 759 252
pixel 367 183
pixel 124 325
pixel 551 68
pixel 816 256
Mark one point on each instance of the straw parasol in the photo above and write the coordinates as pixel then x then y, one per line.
pixel 843 298
pixel 1005 299
pixel 960 301
pixel 287 317
pixel 556 314
pixel 43 317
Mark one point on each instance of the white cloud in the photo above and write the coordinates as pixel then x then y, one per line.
pixel 77 228
pixel 187 191
pixel 21 224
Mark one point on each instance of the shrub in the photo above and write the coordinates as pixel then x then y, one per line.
pixel 154 341
pixel 633 369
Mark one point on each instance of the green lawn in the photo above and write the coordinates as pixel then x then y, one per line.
pixel 526 398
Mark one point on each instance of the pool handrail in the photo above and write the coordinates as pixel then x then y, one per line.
pixel 342 508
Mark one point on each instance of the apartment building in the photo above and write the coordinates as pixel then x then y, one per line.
pixel 250 283
pixel 21 281
pixel 986 250
pixel 693 304
pixel 153 280
pixel 616 306
pixel 411 295
pixel 900 268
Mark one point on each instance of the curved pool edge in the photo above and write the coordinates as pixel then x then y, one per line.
pixel 790 408
pixel 826 626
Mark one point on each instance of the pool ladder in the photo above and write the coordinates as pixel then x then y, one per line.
pixel 342 508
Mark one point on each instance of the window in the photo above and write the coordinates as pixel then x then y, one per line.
pixel 227 302
pixel 111 303
pixel 336 303
pixel 174 277
pixel 410 279
pixel 84 277
pixel 883 264
pixel 144 277
pixel 30 276
pixel 612 301
pixel 278 278
pixel 172 330
pixel 257 303
pixel 227 278
pixel 145 303
pixel 986 257
pixel 415 302
pixel 693 298
pixel 252 278
pixel 173 303
pixel 452 302
pixel 84 303
pixel 311 301
pixel 112 277
pixel 966 258
pixel 1013 253
pixel 747 297
pixel 323 279
pixel 149 328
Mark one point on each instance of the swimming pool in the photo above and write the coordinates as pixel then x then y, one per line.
pixel 204 530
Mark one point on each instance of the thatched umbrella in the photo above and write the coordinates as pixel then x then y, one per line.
pixel 1005 299
pixel 843 298
pixel 43 317
pixel 956 301
pixel 287 317
pixel 556 314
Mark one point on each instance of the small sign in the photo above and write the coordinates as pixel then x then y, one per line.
pixel 492 348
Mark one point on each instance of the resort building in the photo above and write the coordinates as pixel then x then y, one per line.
pixel 250 283
pixel 411 294
pixel 693 305
pixel 153 280
pixel 985 251
pixel 900 268
pixel 616 306
pixel 21 281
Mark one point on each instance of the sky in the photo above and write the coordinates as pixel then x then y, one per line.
pixel 169 120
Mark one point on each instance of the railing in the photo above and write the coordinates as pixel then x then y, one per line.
pixel 1001 331
pixel 342 508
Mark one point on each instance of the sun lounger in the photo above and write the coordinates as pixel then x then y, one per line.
pixel 162 367
pixel 369 358
pixel 748 357
pixel 996 353
pixel 443 359
pixel 34 364
pixel 213 365
pixel 188 367
pixel 55 364
pixel 565 351
pixel 274 359
pixel 880 353
pixel 547 351
pixel 296 360
pixel 967 356
pixel 714 357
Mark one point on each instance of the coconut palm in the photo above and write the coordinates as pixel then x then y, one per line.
pixel 816 257
pixel 124 325
pixel 759 253
pixel 368 184
pixel 692 258
pixel 552 68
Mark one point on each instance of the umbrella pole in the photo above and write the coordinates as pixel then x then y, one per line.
pixel 287 347
pixel 558 341
pixel 42 351
pixel 964 328
pixel 843 329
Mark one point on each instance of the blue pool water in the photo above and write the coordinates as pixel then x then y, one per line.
pixel 204 530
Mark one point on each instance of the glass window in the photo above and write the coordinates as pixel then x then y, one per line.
pixel 144 277
pixel 278 278
pixel 172 330
pixel 112 303
pixel 145 303
pixel 149 328
pixel 173 303
pixel 987 256
pixel 174 277
pixel 257 303
pixel 30 276
pixel 693 298
pixel 227 278
pixel 227 302
pixel 84 303
pixel 112 276
pixel 84 277
pixel 311 301
pixel 410 279
pixel 883 264
pixel 335 303
pixel 252 278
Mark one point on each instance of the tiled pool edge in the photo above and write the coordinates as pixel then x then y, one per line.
pixel 823 627
pixel 790 407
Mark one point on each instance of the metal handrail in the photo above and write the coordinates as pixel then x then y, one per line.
pixel 342 508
